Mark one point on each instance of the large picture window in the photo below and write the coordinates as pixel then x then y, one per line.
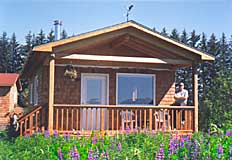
pixel 135 89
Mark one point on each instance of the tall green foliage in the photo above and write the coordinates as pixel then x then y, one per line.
pixel 217 104
pixel 4 53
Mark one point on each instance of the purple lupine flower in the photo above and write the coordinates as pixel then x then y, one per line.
pixel 182 142
pixel 160 154
pixel 228 133
pixel 55 134
pixel 177 135
pixel 163 128
pixel 196 149
pixel 107 154
pixel 26 135
pixel 65 135
pixel 127 130
pixel 189 143
pixel 136 130
pixel 68 136
pixel 220 150
pixel 90 154
pixel 209 132
pixel 171 148
pixel 111 145
pixel 47 134
pixel 60 154
pixel 146 130
pixel 119 147
pixel 39 130
pixel 96 154
pixel 94 140
pixel 74 154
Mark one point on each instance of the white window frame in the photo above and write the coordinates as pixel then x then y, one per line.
pixel 31 93
pixel 35 90
pixel 136 74
pixel 95 74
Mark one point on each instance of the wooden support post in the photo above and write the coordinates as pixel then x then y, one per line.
pixel 21 128
pixel 102 119
pixel 150 119
pixel 51 92
pixel 195 96
pixel 31 124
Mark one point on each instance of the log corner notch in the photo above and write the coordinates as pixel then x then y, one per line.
pixel 195 95
pixel 51 91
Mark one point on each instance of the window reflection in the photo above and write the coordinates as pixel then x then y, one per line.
pixel 135 89
pixel 94 89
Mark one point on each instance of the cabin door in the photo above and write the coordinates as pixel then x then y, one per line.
pixel 94 91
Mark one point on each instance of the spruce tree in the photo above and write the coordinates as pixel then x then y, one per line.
pixel 181 72
pixel 63 34
pixel 164 32
pixel 194 39
pixel 213 48
pixel 51 36
pixel 184 37
pixel 14 56
pixel 154 29
pixel 229 58
pixel 175 35
pixel 223 56
pixel 202 67
pixel 40 38
pixel 33 41
pixel 29 42
pixel 4 52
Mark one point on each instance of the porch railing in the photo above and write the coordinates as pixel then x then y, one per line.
pixel 32 121
pixel 68 117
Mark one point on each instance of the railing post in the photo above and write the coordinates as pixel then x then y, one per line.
pixel 36 120
pixel 195 96
pixel 51 92
pixel 150 119
pixel 102 119
pixel 31 123
pixel 21 128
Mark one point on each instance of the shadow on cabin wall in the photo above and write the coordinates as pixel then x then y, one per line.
pixel 165 88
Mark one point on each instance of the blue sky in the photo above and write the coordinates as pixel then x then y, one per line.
pixel 22 16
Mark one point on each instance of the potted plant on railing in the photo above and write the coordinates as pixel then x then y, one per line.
pixel 70 72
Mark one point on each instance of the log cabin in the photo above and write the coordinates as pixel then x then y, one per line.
pixel 9 87
pixel 109 80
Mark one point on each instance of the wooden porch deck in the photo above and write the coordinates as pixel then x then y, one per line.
pixel 112 119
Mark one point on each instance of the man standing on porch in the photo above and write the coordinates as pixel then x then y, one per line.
pixel 181 96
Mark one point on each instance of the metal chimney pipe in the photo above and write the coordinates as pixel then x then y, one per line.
pixel 57 24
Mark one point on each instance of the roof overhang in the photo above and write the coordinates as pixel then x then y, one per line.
pixel 10 79
pixel 130 34
pixel 122 27
pixel 125 59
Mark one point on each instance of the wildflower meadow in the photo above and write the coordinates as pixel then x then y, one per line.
pixel 136 145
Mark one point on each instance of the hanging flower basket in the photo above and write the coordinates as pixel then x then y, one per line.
pixel 70 72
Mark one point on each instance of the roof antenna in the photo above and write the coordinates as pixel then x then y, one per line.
pixel 128 12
